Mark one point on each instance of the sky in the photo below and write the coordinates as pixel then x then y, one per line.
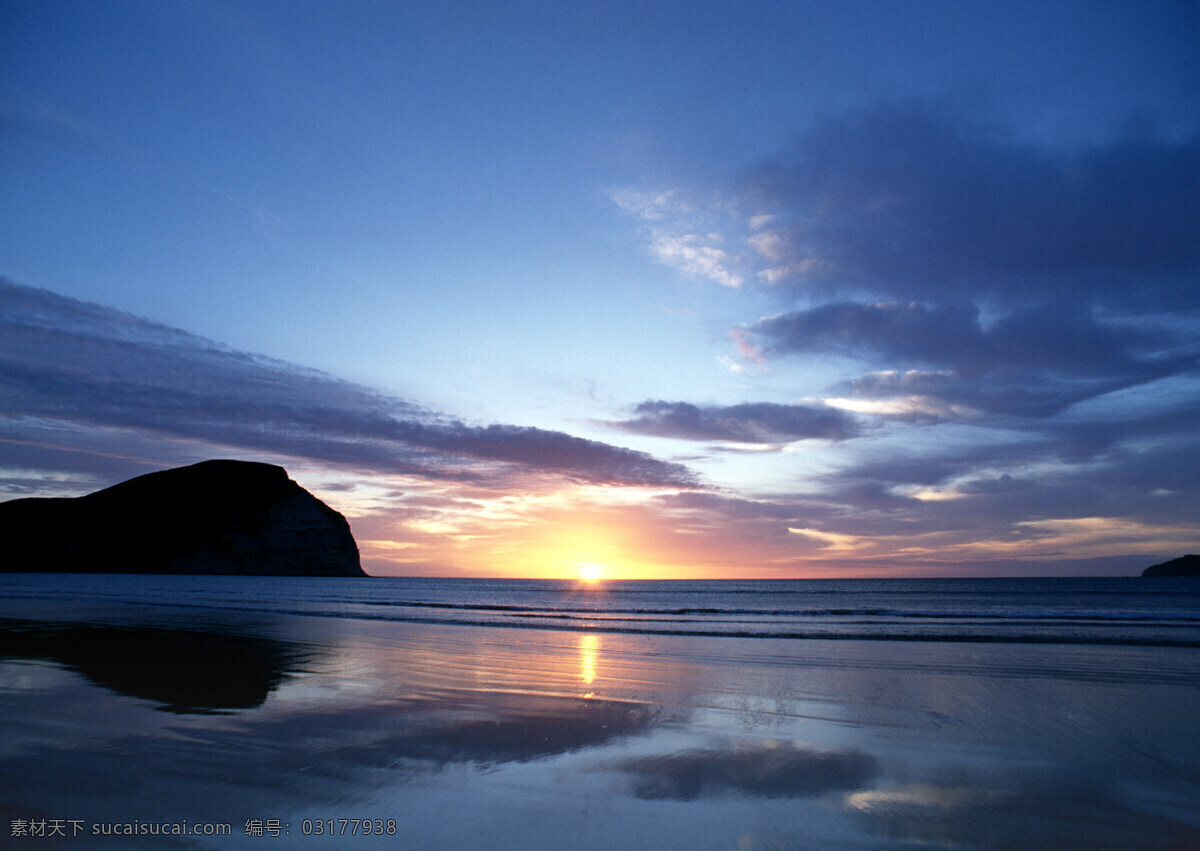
pixel 624 289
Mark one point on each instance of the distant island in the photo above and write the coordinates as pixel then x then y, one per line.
pixel 215 517
pixel 1188 565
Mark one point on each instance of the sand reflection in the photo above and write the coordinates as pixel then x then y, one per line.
pixel 1027 808
pixel 182 671
pixel 482 737
pixel 370 709
pixel 767 769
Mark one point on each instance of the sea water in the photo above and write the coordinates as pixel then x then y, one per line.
pixel 1127 610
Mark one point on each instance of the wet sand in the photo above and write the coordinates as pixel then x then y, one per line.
pixel 473 737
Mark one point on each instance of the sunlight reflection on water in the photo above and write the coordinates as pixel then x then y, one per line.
pixel 589 653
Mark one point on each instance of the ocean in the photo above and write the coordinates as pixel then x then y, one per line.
pixel 238 712
pixel 1127 611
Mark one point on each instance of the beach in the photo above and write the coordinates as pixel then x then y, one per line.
pixel 185 708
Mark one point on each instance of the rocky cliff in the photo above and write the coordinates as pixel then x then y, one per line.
pixel 215 517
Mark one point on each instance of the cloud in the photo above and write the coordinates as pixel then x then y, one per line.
pixel 690 254
pixel 1026 322
pixel 913 201
pixel 962 498
pixel 892 330
pixel 1085 495
pixel 757 422
pixel 972 271
pixel 1034 361
pixel 1059 337
pixel 1011 327
pixel 651 206
pixel 70 366
pixel 677 236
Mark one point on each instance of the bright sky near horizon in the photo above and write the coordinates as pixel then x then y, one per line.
pixel 629 289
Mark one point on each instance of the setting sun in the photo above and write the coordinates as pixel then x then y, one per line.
pixel 590 572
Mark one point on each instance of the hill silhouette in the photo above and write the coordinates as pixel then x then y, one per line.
pixel 215 517
pixel 1188 565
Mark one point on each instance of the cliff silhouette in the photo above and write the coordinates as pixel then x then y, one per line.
pixel 215 517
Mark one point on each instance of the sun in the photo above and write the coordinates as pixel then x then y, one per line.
pixel 590 572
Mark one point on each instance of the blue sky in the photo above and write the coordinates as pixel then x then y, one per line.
pixel 737 289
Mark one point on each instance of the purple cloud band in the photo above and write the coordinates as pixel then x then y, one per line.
pixel 72 362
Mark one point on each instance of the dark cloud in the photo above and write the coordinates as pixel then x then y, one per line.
pixel 937 396
pixel 912 332
pixel 1034 361
pixel 1033 310
pixel 759 422
pixel 69 364
pixel 912 201
pixel 905 501
pixel 774 770
pixel 1063 337
pixel 1148 476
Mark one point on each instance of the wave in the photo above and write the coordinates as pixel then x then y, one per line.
pixel 997 631
pixel 807 612
pixel 872 634
pixel 1068 613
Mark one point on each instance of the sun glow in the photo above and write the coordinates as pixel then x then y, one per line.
pixel 590 572
pixel 585 550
